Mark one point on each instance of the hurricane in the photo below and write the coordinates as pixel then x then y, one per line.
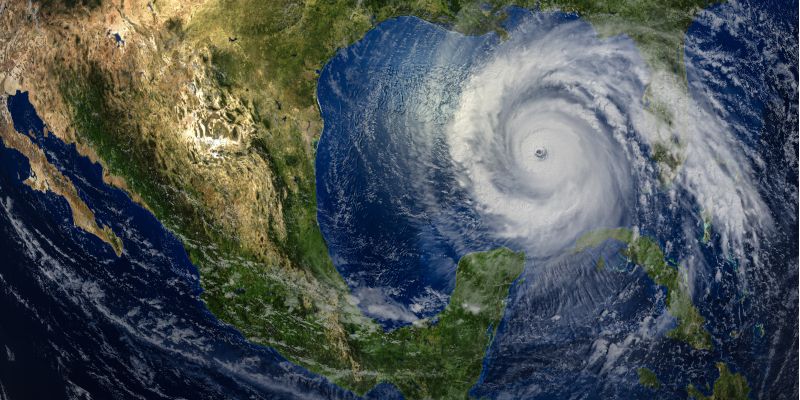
pixel 553 131
pixel 529 141
pixel 541 136
pixel 572 200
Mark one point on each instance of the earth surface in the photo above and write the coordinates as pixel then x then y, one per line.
pixel 239 199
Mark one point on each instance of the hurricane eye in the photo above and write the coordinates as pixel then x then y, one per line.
pixel 540 153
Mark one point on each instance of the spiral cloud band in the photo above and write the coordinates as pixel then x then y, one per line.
pixel 541 134
pixel 438 144
pixel 546 139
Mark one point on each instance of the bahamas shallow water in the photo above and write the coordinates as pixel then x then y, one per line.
pixel 76 319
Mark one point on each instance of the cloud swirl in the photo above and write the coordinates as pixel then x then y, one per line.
pixel 541 134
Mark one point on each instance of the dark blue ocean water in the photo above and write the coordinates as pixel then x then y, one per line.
pixel 386 218
pixel 78 320
pixel 395 220
pixel 75 320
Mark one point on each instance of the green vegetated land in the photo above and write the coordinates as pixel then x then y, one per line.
pixel 646 252
pixel 443 359
pixel 648 378
pixel 297 302
pixel 728 386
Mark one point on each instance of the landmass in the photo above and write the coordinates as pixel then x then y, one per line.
pixel 648 378
pixel 728 386
pixel 647 253
pixel 442 359
pixel 217 137
pixel 45 177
